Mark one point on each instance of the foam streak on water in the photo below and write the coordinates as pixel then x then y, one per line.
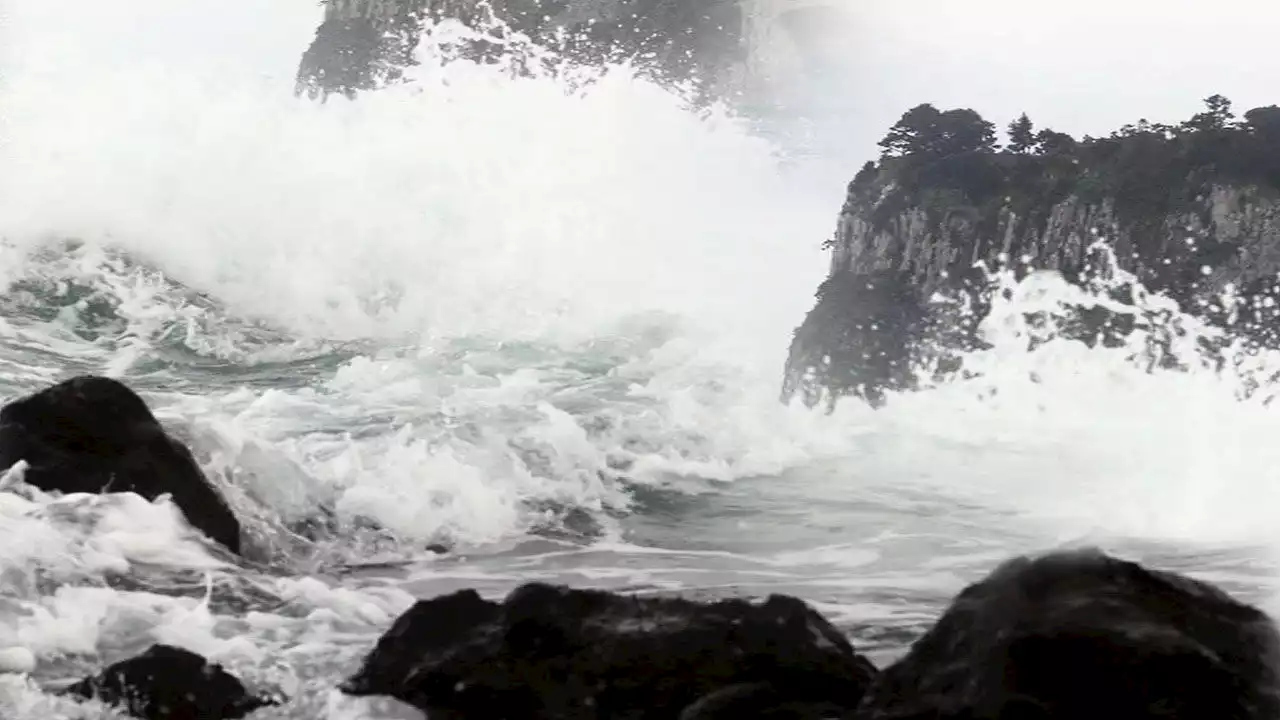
pixel 479 307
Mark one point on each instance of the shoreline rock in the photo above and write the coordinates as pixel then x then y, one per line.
pixel 557 652
pixel 1067 635
pixel 93 434
pixel 170 683
pixel 1084 635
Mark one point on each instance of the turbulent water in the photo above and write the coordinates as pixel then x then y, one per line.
pixel 543 323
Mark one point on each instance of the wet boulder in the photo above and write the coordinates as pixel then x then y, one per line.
pixel 551 651
pixel 1083 635
pixel 93 434
pixel 169 683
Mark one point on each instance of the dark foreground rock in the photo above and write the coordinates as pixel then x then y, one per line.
pixel 93 434
pixel 1080 635
pixel 555 652
pixel 169 683
pixel 1189 211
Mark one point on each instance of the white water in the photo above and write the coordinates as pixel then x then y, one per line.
pixel 440 306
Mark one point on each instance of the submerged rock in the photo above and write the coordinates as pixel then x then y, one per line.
pixel 1083 635
pixel 93 434
pixel 169 683
pixel 555 652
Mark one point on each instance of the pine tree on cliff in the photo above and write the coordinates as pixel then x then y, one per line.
pixel 1022 136
pixel 866 176
pixel 1146 128
pixel 907 136
pixel 1216 116
pixel 1052 143
pixel 924 130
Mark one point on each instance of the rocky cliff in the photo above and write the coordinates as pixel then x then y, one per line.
pixel 362 44
pixel 1191 211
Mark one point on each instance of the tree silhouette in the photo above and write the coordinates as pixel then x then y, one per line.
pixel 866 175
pixel 1264 122
pixel 965 131
pixel 1147 169
pixel 925 130
pixel 1217 116
pixel 1052 142
pixel 1146 128
pixel 1021 135
pixel 908 135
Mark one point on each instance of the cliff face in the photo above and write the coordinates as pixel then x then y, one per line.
pixel 1189 211
pixel 934 242
pixel 362 44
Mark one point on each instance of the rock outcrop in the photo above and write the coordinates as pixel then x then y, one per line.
pixel 1066 635
pixel 1083 635
pixel 555 652
pixel 93 434
pixel 1190 211
pixel 169 683
pixel 363 44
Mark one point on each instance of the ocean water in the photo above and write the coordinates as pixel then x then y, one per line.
pixel 540 321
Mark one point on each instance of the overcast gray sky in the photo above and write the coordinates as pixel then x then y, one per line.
pixel 1079 66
